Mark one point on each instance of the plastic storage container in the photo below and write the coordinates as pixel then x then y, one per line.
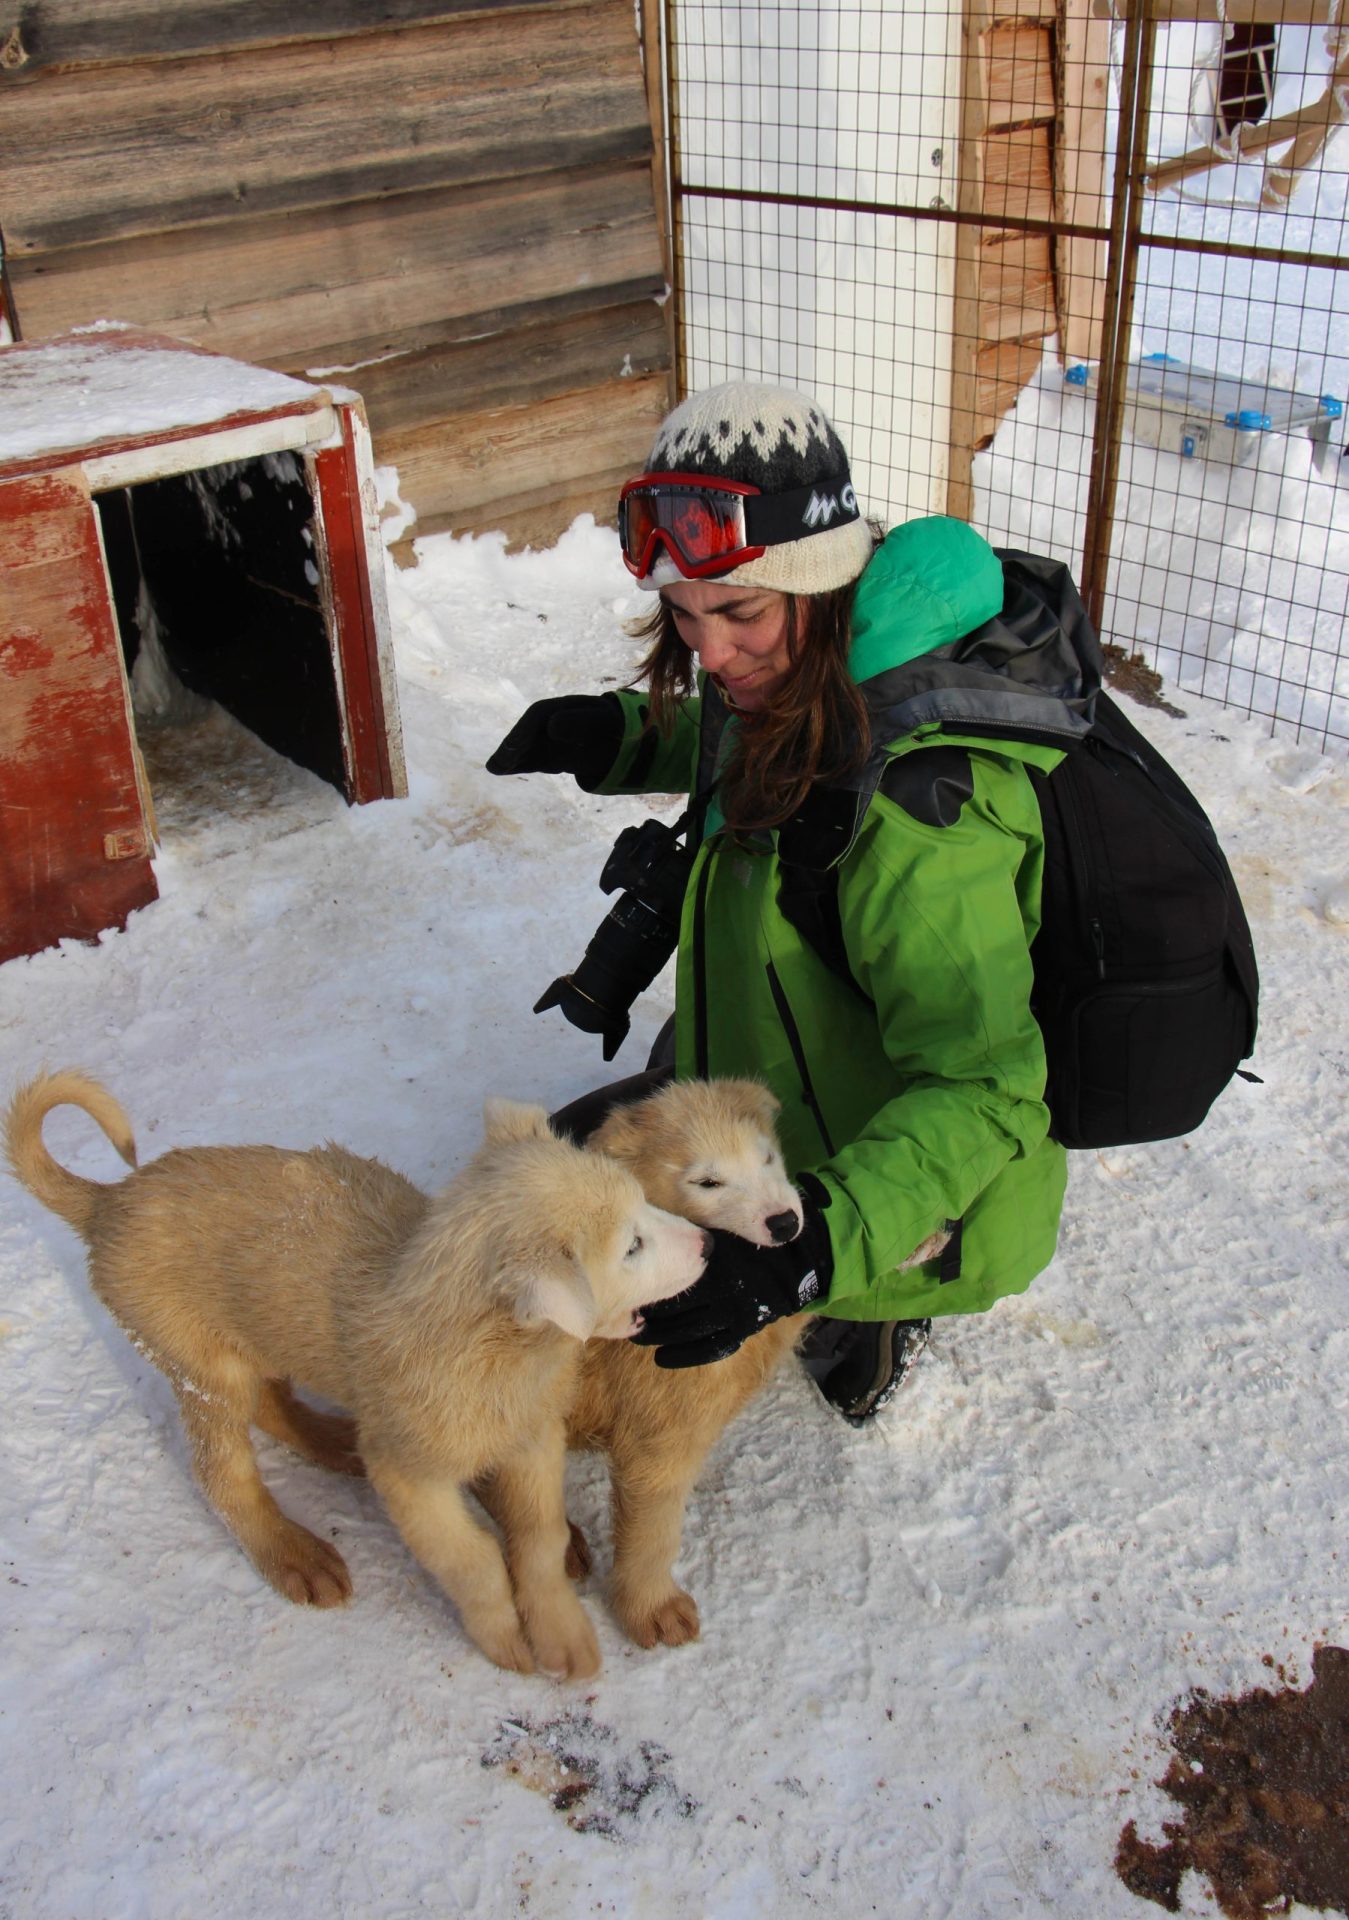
pixel 1210 416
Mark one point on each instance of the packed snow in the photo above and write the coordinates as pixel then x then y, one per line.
pixel 938 1652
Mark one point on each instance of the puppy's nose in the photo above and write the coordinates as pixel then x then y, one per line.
pixel 783 1227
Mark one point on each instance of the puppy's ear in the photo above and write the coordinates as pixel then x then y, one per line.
pixel 505 1120
pixel 760 1102
pixel 560 1294
pixel 620 1131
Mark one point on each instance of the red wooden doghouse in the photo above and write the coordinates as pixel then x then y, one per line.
pixel 242 502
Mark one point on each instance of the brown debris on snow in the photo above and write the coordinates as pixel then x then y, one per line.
pixel 1130 673
pixel 1264 1783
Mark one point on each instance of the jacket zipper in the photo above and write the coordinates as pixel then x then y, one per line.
pixel 700 967
pixel 789 1027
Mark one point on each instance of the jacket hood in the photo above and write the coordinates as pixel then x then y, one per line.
pixel 1028 666
pixel 927 583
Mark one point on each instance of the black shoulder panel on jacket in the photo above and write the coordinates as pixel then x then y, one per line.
pixel 931 785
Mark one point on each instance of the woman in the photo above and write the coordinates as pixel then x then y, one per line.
pixel 836 707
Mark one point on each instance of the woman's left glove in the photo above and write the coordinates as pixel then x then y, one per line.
pixel 740 1291
pixel 575 733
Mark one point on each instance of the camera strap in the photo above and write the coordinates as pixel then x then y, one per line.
pixel 690 821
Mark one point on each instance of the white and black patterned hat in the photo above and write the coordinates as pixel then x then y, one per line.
pixel 783 443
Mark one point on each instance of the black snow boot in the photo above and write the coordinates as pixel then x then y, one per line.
pixel 858 1364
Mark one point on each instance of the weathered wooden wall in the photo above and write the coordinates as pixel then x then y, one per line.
pixel 446 206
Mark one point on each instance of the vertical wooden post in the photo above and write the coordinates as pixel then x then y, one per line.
pixel 9 313
pixel 964 426
pixel 371 736
pixel 1079 183
pixel 1126 217
pixel 676 198
pixel 653 68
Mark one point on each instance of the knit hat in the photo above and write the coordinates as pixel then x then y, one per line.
pixel 780 441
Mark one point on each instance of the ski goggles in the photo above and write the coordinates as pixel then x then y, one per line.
pixel 707 526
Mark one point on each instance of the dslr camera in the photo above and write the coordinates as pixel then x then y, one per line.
pixel 637 935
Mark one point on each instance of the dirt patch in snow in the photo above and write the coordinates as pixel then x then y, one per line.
pixel 579 1766
pixel 1264 1784
pixel 1130 673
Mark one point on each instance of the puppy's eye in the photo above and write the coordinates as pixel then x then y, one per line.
pixel 709 1185
pixel 637 1244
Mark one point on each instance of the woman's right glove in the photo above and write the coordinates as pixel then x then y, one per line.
pixel 576 733
pixel 741 1290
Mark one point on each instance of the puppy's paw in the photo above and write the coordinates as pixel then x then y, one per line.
pixel 505 1645
pixel 305 1569
pixel 565 1645
pixel 579 1562
pixel 671 1622
pixel 927 1249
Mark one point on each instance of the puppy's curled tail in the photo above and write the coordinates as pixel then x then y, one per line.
pixel 66 1193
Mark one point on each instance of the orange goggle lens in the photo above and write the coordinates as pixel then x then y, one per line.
pixel 700 525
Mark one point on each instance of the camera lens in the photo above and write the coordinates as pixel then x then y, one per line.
pixel 633 941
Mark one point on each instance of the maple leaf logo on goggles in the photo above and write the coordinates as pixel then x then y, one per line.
pixel 707 526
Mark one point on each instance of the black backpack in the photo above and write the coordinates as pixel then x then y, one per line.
pixel 1146 985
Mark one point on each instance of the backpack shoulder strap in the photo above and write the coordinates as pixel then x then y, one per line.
pixel 931 785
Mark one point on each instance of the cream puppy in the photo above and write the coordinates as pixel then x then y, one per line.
pixel 706 1149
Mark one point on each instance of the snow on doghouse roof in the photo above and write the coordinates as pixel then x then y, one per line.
pixel 110 385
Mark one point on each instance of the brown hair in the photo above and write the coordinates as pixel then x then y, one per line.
pixel 815 729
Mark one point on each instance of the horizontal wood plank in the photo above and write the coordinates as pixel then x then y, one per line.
pixel 539 523
pixel 1017 174
pixel 465 472
pixel 1001 372
pixel 1016 288
pixel 519 366
pixel 104 152
pixel 343 285
pixel 1018 75
pixel 38 34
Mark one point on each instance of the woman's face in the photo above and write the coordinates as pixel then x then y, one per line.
pixel 738 633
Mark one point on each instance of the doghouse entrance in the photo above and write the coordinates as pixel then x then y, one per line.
pixel 217 591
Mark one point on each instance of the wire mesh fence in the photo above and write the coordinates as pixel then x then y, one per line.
pixel 1079 277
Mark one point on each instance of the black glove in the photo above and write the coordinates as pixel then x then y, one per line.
pixel 577 733
pixel 741 1289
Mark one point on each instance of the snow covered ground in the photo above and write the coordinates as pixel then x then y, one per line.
pixel 938 1653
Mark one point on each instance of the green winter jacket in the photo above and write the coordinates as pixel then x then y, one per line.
pixel 919 1101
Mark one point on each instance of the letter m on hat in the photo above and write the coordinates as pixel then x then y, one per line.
pixel 820 509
